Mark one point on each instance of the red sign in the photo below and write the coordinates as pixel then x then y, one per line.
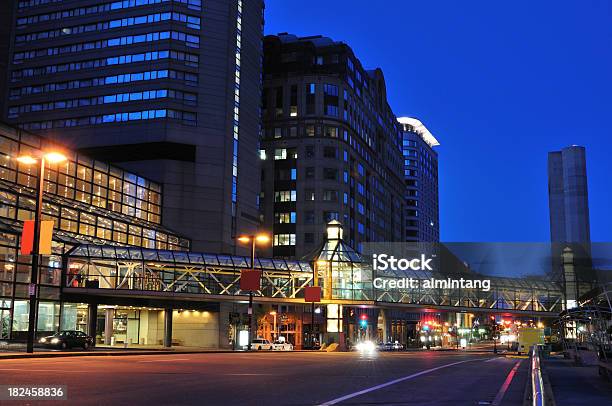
pixel 312 294
pixel 250 280
pixel 27 237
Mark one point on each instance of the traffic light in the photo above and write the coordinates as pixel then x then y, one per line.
pixel 363 320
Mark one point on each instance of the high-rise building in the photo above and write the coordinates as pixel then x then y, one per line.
pixel 331 147
pixel 568 196
pixel 421 178
pixel 570 233
pixel 168 88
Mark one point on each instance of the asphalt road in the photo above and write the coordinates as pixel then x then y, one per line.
pixel 410 378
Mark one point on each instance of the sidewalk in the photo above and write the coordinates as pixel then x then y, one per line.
pixel 18 351
pixel 576 385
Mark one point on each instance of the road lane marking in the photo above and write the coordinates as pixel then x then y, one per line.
pixel 166 360
pixel 40 370
pixel 494 359
pixel 393 382
pixel 502 391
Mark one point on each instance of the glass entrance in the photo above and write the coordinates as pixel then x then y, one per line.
pixel 5 319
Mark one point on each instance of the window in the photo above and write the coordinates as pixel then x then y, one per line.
pixel 309 217
pixel 262 154
pixel 310 172
pixel 280 153
pixel 330 174
pixel 284 239
pixel 285 196
pixel 285 218
pixel 360 189
pixel 360 170
pixel 330 90
pixel 330 195
pixel 310 130
pixel 309 194
pixel 331 132
pixel 360 208
pixel 293 173
pixel 310 98
pixel 329 152
pixel 293 100
pixel 310 151
pixel 330 215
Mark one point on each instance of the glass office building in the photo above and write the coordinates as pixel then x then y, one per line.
pixel 89 202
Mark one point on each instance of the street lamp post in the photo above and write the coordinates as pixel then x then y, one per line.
pixel 51 157
pixel 273 313
pixel 253 239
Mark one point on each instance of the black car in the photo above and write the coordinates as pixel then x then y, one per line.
pixel 67 339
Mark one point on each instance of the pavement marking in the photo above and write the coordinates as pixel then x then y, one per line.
pixel 502 391
pixel 165 360
pixel 41 370
pixel 494 359
pixel 393 382
pixel 249 374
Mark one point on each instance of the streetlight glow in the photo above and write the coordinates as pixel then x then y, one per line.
pixel 55 157
pixel 26 160
pixel 244 239
pixel 262 238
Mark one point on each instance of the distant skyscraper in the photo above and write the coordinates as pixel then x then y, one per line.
pixel 421 179
pixel 568 196
pixel 569 220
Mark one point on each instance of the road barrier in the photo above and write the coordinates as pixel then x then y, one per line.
pixel 537 383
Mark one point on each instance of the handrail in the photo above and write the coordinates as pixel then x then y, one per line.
pixel 537 383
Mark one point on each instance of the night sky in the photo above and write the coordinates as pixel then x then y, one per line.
pixel 499 84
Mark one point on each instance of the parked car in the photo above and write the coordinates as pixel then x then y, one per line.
pixel 67 339
pixel 282 346
pixel 261 344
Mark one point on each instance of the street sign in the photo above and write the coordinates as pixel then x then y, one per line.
pixel 250 280
pixel 312 294
pixel 32 289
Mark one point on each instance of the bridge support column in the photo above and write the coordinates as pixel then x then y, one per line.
pixel 168 327
pixel 92 320
pixel 108 326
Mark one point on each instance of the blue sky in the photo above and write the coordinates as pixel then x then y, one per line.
pixel 499 84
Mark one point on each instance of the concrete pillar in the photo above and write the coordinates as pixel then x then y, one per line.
pixel 108 325
pixel 168 327
pixel 92 320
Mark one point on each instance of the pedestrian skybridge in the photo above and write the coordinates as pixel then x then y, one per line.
pixel 345 278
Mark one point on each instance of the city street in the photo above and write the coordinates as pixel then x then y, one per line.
pixel 419 378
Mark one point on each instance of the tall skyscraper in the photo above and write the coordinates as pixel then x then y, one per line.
pixel 170 89
pixel 570 233
pixel 331 148
pixel 568 196
pixel 421 178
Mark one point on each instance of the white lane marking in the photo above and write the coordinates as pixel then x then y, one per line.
pixel 393 382
pixel 40 370
pixel 494 359
pixel 165 360
pixel 502 391
pixel 249 374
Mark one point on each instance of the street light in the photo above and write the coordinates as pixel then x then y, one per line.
pixel 254 240
pixel 52 157
pixel 273 313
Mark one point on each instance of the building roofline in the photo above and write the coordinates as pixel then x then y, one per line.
pixel 420 129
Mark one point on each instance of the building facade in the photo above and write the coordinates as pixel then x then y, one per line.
pixel 331 147
pixel 168 88
pixel 421 178
pixel 89 201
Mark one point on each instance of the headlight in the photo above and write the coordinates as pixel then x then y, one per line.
pixel 55 340
pixel 366 346
pixel 43 340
